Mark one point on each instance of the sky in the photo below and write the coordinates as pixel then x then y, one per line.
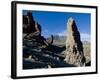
pixel 55 23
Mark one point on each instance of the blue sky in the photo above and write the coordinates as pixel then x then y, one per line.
pixel 56 22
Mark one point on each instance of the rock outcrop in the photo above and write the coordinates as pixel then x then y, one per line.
pixel 35 56
pixel 37 51
pixel 32 30
pixel 74 47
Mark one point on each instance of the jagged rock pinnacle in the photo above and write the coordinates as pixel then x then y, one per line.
pixel 74 46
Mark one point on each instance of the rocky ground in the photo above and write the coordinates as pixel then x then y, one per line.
pixel 36 56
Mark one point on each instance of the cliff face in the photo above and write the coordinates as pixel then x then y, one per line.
pixel 74 46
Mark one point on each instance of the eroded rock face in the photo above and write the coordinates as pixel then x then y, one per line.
pixel 74 46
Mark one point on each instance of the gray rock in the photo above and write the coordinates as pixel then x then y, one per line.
pixel 74 46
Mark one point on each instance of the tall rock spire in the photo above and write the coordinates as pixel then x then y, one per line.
pixel 74 46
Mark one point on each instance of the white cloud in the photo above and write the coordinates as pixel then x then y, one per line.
pixel 85 37
pixel 63 33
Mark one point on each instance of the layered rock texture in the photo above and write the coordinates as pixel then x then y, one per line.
pixel 74 47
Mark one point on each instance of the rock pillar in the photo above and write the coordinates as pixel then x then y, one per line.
pixel 74 46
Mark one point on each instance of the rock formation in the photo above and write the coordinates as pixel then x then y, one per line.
pixel 36 53
pixel 74 46
pixel 32 30
pixel 54 54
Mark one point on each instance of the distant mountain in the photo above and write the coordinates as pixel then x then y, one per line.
pixel 61 40
pixel 58 40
